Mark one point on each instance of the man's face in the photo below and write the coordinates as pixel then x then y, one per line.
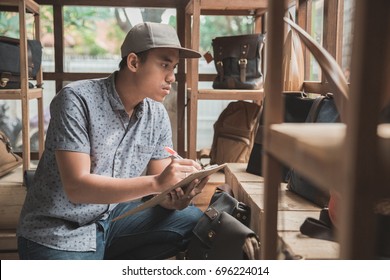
pixel 156 74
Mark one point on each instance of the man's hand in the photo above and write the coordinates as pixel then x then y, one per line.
pixel 180 198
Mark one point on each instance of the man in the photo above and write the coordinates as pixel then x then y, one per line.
pixel 104 151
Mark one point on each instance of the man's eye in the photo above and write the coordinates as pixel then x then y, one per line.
pixel 168 66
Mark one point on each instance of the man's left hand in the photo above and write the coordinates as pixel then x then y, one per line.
pixel 180 198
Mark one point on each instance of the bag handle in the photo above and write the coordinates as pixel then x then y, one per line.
pixel 321 228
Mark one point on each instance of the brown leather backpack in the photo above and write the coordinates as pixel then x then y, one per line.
pixel 234 132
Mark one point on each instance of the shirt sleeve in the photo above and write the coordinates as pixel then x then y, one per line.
pixel 69 122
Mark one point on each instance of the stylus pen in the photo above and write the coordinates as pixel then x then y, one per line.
pixel 173 152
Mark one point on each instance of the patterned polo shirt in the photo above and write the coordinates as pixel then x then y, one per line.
pixel 89 117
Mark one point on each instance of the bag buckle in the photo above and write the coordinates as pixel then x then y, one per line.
pixel 219 66
pixel 242 61
pixel 211 213
pixel 5 77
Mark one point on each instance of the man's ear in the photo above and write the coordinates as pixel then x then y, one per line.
pixel 132 62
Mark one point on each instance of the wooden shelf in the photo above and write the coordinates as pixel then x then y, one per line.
pixel 25 94
pixel 13 5
pixel 16 94
pixel 222 94
pixel 221 7
pixel 316 150
pixel 352 157
pixel 292 211
pixel 193 10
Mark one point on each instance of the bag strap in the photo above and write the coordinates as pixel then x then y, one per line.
pixel 315 108
pixel 219 66
pixel 243 61
pixel 321 228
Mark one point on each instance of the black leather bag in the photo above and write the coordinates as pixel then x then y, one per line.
pixel 296 108
pixel 222 231
pixel 10 61
pixel 323 110
pixel 238 61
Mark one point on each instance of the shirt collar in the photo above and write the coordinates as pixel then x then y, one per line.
pixel 115 100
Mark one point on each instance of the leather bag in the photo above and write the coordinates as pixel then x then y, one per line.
pixel 10 61
pixel 323 110
pixel 234 132
pixel 8 159
pixel 296 109
pixel 223 232
pixel 238 61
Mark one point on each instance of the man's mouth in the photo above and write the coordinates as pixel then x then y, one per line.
pixel 167 88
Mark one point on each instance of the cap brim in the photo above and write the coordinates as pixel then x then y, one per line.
pixel 183 52
pixel 187 53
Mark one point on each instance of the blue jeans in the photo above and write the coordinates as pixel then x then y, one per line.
pixel 155 233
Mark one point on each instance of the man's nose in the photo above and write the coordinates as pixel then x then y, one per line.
pixel 171 78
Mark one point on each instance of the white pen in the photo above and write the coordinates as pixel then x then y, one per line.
pixel 173 152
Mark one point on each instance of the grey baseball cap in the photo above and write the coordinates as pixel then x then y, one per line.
pixel 151 35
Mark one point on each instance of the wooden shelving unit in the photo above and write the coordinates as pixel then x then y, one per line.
pixel 352 157
pixel 194 9
pixel 25 94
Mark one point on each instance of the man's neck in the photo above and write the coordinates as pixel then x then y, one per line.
pixel 126 91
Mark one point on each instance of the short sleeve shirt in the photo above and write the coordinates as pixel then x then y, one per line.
pixel 89 117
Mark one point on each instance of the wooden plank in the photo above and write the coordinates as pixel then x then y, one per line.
pixel 287 201
pixel 16 94
pixel 310 248
pixel 333 28
pixel 8 240
pixel 304 20
pixel 113 3
pixel 293 202
pixel 12 195
pixel 181 84
pixel 30 5
pixel 214 94
pixel 364 176
pixel 221 5
pixel 12 179
pixel 314 149
pixel 59 54
pixel 239 171
pixel 202 200
pixel 9 255
pixel 292 211
pixel 292 220
pixel 193 66
pixel 10 216
pixel 273 89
